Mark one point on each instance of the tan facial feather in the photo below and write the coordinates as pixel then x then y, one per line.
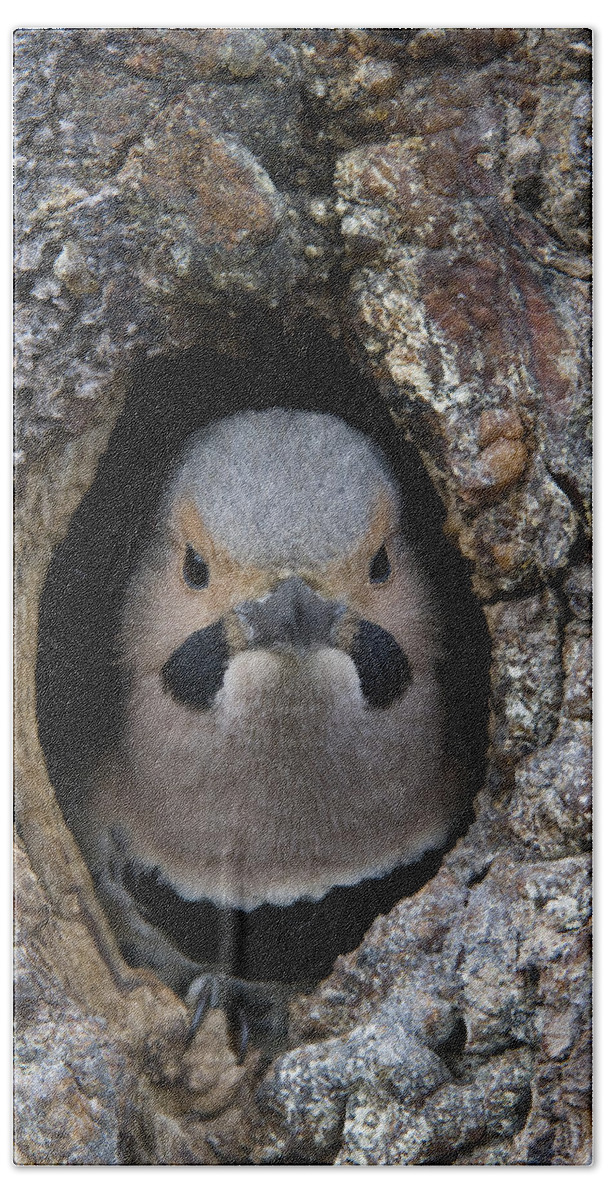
pixel 401 604
pixel 162 610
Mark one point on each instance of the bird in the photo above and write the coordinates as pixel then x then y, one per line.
pixel 284 751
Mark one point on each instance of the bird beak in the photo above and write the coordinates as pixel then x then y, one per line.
pixel 293 616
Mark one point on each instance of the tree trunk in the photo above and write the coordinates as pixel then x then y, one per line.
pixel 425 195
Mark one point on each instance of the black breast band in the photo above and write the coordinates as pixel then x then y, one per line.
pixel 291 944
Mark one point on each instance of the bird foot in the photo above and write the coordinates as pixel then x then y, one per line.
pixel 256 1013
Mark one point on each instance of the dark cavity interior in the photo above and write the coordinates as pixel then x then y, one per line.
pixel 79 684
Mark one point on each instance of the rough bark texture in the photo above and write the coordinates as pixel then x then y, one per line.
pixel 426 193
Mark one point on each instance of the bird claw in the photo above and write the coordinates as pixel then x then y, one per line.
pixel 204 994
pixel 240 1033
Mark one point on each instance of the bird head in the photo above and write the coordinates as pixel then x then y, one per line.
pixel 279 532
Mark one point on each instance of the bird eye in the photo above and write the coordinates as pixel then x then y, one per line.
pixel 196 571
pixel 380 567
